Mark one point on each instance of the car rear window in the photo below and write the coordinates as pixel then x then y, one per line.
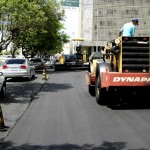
pixel 15 61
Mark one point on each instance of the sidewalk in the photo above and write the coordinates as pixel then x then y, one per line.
pixel 13 107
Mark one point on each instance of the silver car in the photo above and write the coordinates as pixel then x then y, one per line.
pixel 2 85
pixel 38 63
pixel 18 67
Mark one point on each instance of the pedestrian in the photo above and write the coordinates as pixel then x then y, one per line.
pixel 128 29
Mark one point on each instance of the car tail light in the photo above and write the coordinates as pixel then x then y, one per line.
pixel 145 39
pixel 23 67
pixel 5 67
pixel 126 38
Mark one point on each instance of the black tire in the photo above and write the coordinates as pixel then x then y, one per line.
pixel 57 68
pixel 91 90
pixel 101 93
pixel 89 68
pixel 29 77
pixel 33 76
pixel 3 91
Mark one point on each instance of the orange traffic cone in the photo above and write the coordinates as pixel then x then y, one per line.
pixel 2 125
pixel 44 77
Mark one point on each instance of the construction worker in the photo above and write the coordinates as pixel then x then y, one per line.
pixel 128 29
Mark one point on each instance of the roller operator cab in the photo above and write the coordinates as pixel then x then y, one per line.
pixel 122 70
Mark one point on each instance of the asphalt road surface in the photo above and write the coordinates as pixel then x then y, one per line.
pixel 64 116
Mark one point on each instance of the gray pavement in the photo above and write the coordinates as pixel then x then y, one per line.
pixel 18 98
pixel 64 116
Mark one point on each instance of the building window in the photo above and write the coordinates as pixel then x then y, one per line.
pixel 101 23
pixel 109 11
pixel 110 23
pixel 135 12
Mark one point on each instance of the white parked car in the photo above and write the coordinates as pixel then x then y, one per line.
pixel 18 67
pixel 2 85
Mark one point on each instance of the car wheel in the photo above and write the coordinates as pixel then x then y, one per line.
pixel 30 76
pixel 3 91
pixel 91 90
pixel 101 93
pixel 33 75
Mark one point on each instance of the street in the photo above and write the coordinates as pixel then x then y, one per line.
pixel 19 94
pixel 64 116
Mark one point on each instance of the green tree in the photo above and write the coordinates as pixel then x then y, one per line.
pixel 32 25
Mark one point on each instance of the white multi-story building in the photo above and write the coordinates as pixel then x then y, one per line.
pixel 101 20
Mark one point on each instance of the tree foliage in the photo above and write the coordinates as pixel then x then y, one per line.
pixel 33 25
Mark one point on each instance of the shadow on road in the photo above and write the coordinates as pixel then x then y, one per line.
pixel 104 146
pixel 55 87
pixel 28 90
pixel 18 93
pixel 19 79
pixel 131 103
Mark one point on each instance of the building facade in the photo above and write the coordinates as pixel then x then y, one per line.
pixel 101 20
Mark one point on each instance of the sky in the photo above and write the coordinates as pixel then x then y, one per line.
pixel 71 25
pixel 71 21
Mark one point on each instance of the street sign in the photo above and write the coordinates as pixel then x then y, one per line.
pixel 70 3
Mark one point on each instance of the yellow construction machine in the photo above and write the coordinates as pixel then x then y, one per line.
pixel 76 59
pixel 121 71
